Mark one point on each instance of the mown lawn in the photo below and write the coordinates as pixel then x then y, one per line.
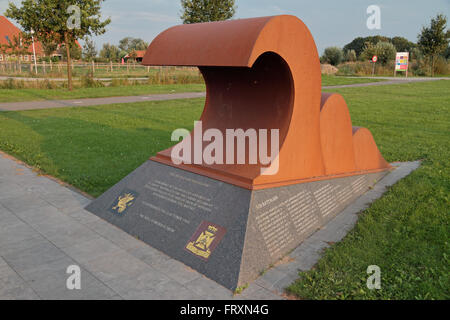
pixel 18 95
pixel 406 232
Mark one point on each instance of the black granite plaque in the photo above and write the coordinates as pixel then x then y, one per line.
pixel 225 232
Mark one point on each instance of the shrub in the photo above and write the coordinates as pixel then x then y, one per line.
pixel 385 51
pixel 332 55
pixel 350 55
pixel 88 81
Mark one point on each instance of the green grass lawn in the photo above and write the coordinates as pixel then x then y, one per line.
pixel 18 95
pixel 340 80
pixel 406 232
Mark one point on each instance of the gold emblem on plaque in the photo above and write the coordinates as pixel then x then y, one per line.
pixel 205 239
pixel 123 202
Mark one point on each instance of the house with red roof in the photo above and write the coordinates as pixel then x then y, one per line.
pixel 9 32
pixel 136 55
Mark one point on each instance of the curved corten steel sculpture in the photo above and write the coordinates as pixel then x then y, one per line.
pixel 264 73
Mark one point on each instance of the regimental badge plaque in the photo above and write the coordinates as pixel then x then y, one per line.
pixel 123 202
pixel 205 239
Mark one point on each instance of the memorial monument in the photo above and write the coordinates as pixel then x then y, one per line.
pixel 231 220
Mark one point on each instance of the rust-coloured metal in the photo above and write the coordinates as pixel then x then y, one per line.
pixel 264 73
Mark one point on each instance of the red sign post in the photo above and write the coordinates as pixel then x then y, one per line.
pixel 374 60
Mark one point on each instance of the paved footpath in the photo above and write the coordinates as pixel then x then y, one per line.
pixel 47 104
pixel 44 230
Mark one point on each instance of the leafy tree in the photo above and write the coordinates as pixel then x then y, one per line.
pixel 62 22
pixel 110 52
pixel 75 51
pixel 17 45
pixel 385 51
pixel 195 11
pixel 89 50
pixel 333 56
pixel 433 40
pixel 49 46
pixel 403 44
pixel 359 44
pixel 129 44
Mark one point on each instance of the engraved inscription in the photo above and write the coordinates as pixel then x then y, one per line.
pixel 359 184
pixel 181 197
pixel 344 194
pixel 274 227
pixel 301 210
pixel 326 200
pixel 157 223
pixel 165 212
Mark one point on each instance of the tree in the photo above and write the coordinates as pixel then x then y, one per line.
pixel 129 44
pixel 89 50
pixel 62 22
pixel 17 45
pixel 109 52
pixel 385 51
pixel 433 40
pixel 75 51
pixel 333 56
pixel 403 44
pixel 359 44
pixel 195 11
pixel 49 47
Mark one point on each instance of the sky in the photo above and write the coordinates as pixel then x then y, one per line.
pixel 332 22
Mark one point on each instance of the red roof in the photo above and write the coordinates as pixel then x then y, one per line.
pixel 139 53
pixel 9 31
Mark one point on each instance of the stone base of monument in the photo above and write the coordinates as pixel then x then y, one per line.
pixel 225 232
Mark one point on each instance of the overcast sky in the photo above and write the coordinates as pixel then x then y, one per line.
pixel 332 22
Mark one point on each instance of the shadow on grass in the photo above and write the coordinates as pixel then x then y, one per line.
pixel 88 155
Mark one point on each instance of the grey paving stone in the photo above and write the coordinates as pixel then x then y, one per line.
pixel 8 219
pixel 114 234
pixel 209 289
pixel 139 285
pixel 148 254
pixel 65 198
pixel 92 249
pixel 12 286
pixel 176 271
pixel 21 292
pixel 16 232
pixel 23 202
pixel 270 278
pixel 256 292
pixel 41 253
pixel 22 244
pixel 46 214
pixel 50 282
pixel 10 189
pixel 81 215
pixel 113 267
pixel 172 290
